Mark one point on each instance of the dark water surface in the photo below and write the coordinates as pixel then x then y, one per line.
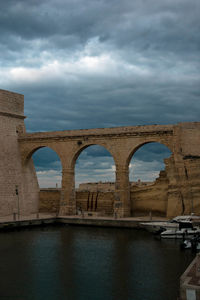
pixel 88 263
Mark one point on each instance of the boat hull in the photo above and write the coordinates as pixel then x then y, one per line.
pixel 179 234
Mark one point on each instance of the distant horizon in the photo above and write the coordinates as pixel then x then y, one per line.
pixel 96 182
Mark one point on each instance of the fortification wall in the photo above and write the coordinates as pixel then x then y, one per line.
pixel 13 178
pixel 11 103
pixel 49 200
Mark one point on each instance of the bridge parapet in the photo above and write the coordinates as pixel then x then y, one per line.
pixel 126 131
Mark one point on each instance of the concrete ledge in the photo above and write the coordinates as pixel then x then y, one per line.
pixel 100 222
pixel 72 220
pixel 25 223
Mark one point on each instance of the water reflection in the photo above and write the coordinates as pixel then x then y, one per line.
pixel 45 264
pixel 77 263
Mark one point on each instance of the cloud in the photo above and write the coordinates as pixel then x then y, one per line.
pixel 50 178
pixel 94 164
pixel 145 171
pixel 45 159
pixel 91 64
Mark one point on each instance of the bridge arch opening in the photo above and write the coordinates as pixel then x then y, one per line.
pixel 48 167
pixel 149 178
pixel 42 180
pixel 147 160
pixel 95 180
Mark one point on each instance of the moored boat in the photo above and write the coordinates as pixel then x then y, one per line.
pixel 185 230
pixel 157 227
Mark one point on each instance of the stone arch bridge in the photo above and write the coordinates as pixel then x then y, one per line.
pixel 121 142
pixel 18 181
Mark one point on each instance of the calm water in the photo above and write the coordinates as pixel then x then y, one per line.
pixel 87 263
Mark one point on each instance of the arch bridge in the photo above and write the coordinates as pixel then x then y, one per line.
pixel 121 142
pixel 18 182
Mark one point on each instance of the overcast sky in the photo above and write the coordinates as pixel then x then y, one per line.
pixel 88 64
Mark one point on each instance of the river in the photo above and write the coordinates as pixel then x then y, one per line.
pixel 89 263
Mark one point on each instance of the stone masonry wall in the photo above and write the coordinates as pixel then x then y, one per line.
pixel 12 176
pixel 101 202
pixel 49 200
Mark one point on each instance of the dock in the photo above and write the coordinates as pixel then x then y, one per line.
pixel 11 222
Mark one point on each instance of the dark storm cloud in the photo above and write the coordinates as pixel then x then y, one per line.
pixel 148 26
pixel 87 63
pixel 83 108
pixel 46 159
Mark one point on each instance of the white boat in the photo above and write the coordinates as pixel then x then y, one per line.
pixel 184 231
pixel 156 227
pixel 186 218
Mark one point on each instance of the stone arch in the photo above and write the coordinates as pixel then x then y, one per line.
pixel 48 166
pixel 95 198
pixel 29 153
pixel 82 148
pixel 150 196
pixel 42 196
pixel 132 152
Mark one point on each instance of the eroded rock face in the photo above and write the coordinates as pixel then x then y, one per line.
pixel 175 192
pixel 152 198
